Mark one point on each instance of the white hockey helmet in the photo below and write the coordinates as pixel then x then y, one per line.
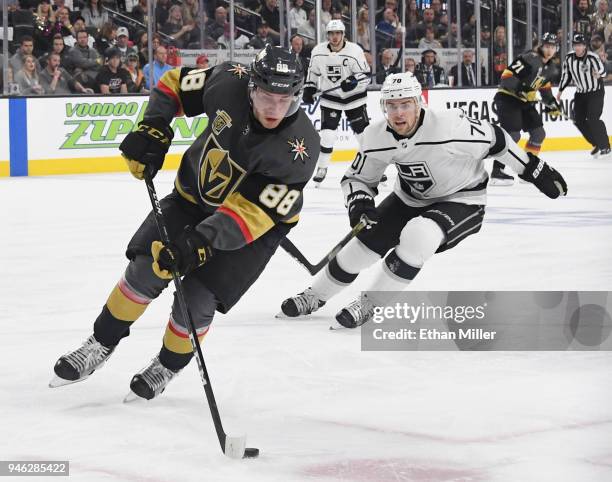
pixel 335 26
pixel 400 86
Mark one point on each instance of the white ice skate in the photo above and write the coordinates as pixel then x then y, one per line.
pixel 605 153
pixel 356 313
pixel 319 176
pixel 77 365
pixel 150 381
pixel 302 304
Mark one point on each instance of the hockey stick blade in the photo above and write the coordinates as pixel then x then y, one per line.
pixel 235 448
pixel 293 251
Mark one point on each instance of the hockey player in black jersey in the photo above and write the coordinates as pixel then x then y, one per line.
pixel 237 193
pixel 528 74
pixel 438 200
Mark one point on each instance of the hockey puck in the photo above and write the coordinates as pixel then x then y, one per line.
pixel 251 453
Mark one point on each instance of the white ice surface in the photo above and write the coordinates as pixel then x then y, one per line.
pixel 316 406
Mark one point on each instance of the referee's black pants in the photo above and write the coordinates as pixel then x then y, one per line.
pixel 588 107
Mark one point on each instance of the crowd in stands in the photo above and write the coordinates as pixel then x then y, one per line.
pixel 102 46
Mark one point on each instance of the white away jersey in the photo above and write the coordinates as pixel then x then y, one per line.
pixel 442 161
pixel 328 69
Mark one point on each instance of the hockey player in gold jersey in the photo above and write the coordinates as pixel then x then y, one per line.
pixel 238 192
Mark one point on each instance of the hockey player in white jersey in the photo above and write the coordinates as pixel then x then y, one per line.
pixel 338 64
pixel 438 200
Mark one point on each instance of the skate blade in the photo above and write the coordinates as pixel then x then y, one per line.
pixel 501 182
pixel 132 397
pixel 60 382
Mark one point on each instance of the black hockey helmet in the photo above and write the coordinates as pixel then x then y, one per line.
pixel 277 70
pixel 549 38
pixel 578 38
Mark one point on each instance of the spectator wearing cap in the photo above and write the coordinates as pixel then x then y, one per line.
pixel 262 38
pixel 240 40
pixel 85 60
pixel 123 44
pixel 77 26
pixel 202 62
pixel 112 79
pixel 136 75
pixel 94 14
pixel 159 67
pixel 485 36
pixel 56 80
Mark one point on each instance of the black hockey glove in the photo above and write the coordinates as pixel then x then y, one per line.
pixel 361 206
pixel 308 95
pixel 188 252
pixel 146 147
pixel 552 107
pixel 544 177
pixel 349 83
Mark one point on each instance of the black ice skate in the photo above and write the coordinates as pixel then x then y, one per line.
pixel 150 381
pixel 605 153
pixel 77 365
pixel 303 304
pixel 319 176
pixel 595 151
pixel 357 313
pixel 500 178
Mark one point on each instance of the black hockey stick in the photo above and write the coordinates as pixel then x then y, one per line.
pixel 313 269
pixel 233 447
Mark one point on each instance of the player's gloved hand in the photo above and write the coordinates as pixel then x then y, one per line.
pixel 349 83
pixel 361 206
pixel 552 107
pixel 308 95
pixel 188 252
pixel 544 177
pixel 146 147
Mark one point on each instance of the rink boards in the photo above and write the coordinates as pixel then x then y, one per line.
pixel 55 135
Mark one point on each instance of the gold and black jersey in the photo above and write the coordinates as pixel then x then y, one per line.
pixel 246 177
pixel 527 75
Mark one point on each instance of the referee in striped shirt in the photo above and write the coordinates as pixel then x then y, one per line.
pixel 586 70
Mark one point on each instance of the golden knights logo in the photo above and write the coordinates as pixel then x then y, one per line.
pixel 219 174
pixel 298 149
pixel 334 73
pixel 238 70
pixel 417 176
pixel 222 120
